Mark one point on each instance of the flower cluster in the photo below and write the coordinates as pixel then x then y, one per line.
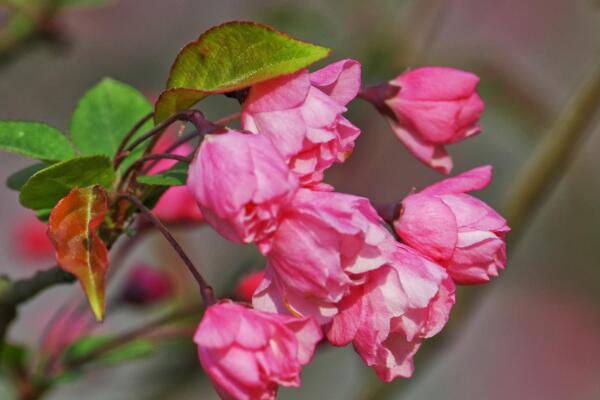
pixel 333 267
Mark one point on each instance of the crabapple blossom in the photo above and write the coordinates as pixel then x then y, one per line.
pixel 434 107
pixel 460 232
pixel 324 245
pixel 302 114
pixel 248 354
pixel 400 304
pixel 241 184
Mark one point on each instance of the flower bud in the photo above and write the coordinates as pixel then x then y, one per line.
pixel 247 354
pixel 146 285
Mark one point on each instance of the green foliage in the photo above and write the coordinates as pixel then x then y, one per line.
pixel 174 176
pixel 86 3
pixel 103 117
pixel 47 186
pixel 13 357
pixel 230 57
pixel 18 179
pixel 35 140
pixel 94 346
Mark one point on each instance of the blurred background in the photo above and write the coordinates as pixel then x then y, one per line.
pixel 533 333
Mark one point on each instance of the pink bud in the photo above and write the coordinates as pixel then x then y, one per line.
pixel 323 246
pixel 177 205
pixel 400 304
pixel 460 232
pixel 30 240
pixel 241 183
pixel 302 114
pixel 434 107
pixel 247 354
pixel 146 285
pixel 248 284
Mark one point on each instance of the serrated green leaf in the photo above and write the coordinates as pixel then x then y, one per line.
pixel 46 187
pixel 103 117
pixel 18 179
pixel 87 346
pixel 174 176
pixel 35 140
pixel 230 57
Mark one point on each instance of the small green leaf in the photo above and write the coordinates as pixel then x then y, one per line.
pixel 35 140
pixel 230 57
pixel 103 117
pixel 89 345
pixel 18 179
pixel 13 357
pixel 174 176
pixel 46 187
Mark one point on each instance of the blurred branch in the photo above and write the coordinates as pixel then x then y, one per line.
pixel 537 177
pixel 13 294
pixel 552 158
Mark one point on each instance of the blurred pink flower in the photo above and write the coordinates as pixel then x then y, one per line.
pixel 145 285
pixel 400 304
pixel 177 203
pixel 241 183
pixel 434 107
pixel 458 231
pixel 29 239
pixel 248 285
pixel 302 114
pixel 247 354
pixel 325 243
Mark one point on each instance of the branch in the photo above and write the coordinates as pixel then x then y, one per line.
pixel 20 291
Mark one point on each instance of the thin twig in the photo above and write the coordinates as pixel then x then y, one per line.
pixel 205 289
pixel 128 137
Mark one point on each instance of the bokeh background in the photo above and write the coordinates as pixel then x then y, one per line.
pixel 534 333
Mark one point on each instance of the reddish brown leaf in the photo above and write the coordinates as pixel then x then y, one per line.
pixel 72 227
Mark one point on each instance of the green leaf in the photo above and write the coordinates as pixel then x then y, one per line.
pixel 174 176
pixel 18 179
pixel 85 3
pixel 103 117
pixel 13 357
pixel 46 187
pixel 230 57
pixel 35 140
pixel 89 345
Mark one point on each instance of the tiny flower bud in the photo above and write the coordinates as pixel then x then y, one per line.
pixel 248 284
pixel 146 285
pixel 30 240
pixel 434 107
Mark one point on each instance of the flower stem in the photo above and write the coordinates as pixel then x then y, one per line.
pixel 205 289
pixel 128 137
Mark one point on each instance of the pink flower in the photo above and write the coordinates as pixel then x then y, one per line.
pixel 400 304
pixel 323 246
pixel 302 114
pixel 248 285
pixel 241 184
pixel 177 203
pixel 145 285
pixel 433 107
pixel 247 354
pixel 30 241
pixel 460 232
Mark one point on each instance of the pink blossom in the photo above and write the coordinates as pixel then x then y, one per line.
pixel 400 304
pixel 434 107
pixel 460 232
pixel 248 285
pixel 302 114
pixel 247 354
pixel 176 205
pixel 146 285
pixel 30 241
pixel 241 184
pixel 323 246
